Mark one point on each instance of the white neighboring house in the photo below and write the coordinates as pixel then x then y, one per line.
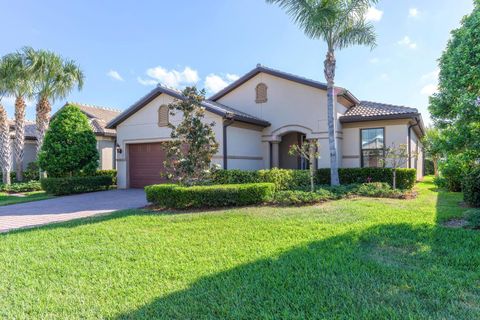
pixel 257 118
pixel 98 118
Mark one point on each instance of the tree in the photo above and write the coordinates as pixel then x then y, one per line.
pixel 396 157
pixel 5 152
pixel 54 78
pixel 70 147
pixel 193 144
pixel 340 23
pixel 434 146
pixel 309 151
pixel 455 108
pixel 18 83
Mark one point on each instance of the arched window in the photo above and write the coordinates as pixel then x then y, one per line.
pixel 261 93
pixel 163 116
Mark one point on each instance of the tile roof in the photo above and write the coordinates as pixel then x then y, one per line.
pixel 209 105
pixel 368 110
pixel 99 117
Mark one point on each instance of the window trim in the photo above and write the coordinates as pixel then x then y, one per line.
pixel 362 164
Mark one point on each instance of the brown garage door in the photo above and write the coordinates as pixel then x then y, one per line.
pixel 146 164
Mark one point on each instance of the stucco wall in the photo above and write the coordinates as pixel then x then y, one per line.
pixel 142 127
pixel 290 107
pixel 106 149
pixel 245 147
pixel 416 160
pixel 29 154
pixel 395 132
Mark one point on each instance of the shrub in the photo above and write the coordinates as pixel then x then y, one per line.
pixel 71 185
pixel 298 197
pixel 180 197
pixel 471 188
pixel 473 218
pixel 453 170
pixel 21 187
pixel 32 172
pixel 70 146
pixel 378 190
pixel 429 167
pixel 299 179
pixel 112 173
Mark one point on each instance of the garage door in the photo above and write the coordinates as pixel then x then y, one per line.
pixel 146 164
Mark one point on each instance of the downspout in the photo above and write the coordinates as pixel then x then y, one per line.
pixel 410 142
pixel 226 123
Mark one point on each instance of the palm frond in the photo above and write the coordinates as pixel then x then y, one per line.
pixel 358 33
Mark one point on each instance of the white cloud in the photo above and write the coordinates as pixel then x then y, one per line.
pixel 373 14
pixel 429 89
pixel 114 75
pixel 413 13
pixel 406 41
pixel 384 77
pixel 170 78
pixel 215 83
pixel 431 76
pixel 374 60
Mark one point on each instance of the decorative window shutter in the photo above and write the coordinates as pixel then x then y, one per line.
pixel 261 93
pixel 163 116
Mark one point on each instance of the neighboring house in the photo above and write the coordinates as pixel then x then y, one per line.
pixel 257 118
pixel 98 118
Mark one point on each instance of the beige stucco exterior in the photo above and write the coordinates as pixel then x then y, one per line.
pixel 142 127
pixel 106 152
pixel 294 111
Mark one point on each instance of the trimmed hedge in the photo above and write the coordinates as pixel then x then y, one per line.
pixel 297 179
pixel 180 197
pixel 71 185
pixel 471 188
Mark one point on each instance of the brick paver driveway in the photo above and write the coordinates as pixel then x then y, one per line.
pixel 69 207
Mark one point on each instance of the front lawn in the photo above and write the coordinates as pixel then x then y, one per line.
pixel 353 258
pixel 6 199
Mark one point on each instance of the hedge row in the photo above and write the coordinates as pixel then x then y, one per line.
pixel 179 197
pixel 70 185
pixel 21 187
pixel 297 179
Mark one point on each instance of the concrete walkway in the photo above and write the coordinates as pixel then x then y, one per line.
pixel 69 207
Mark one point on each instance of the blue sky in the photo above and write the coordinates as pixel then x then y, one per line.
pixel 124 47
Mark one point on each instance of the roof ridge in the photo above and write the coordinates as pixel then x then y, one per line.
pixel 94 106
pixel 387 104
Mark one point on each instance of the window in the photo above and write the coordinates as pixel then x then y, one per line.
pixel 163 116
pixel 261 93
pixel 373 144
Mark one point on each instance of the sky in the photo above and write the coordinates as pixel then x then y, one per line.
pixel 126 47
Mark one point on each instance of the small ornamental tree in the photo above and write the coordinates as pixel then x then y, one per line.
pixel 396 157
pixel 193 145
pixel 309 151
pixel 70 147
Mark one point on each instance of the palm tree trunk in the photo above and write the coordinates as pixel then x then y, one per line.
pixel 330 77
pixel 19 142
pixel 43 117
pixel 435 166
pixel 5 152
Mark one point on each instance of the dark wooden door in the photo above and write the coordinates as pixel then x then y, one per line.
pixel 146 164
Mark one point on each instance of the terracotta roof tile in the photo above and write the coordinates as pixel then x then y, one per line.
pixel 367 109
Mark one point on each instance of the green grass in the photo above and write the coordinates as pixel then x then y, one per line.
pixel 6 199
pixel 347 259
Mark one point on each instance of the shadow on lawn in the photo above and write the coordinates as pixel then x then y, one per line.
pixel 387 271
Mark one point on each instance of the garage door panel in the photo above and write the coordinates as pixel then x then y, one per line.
pixel 146 164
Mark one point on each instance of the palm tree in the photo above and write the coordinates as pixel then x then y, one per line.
pixel 340 23
pixel 5 153
pixel 18 83
pixel 54 78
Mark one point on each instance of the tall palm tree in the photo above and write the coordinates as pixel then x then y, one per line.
pixel 18 83
pixel 54 78
pixel 5 153
pixel 340 23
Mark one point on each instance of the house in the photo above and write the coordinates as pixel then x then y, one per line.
pixel 258 117
pixel 98 118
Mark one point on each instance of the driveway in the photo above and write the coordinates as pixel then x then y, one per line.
pixel 69 207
